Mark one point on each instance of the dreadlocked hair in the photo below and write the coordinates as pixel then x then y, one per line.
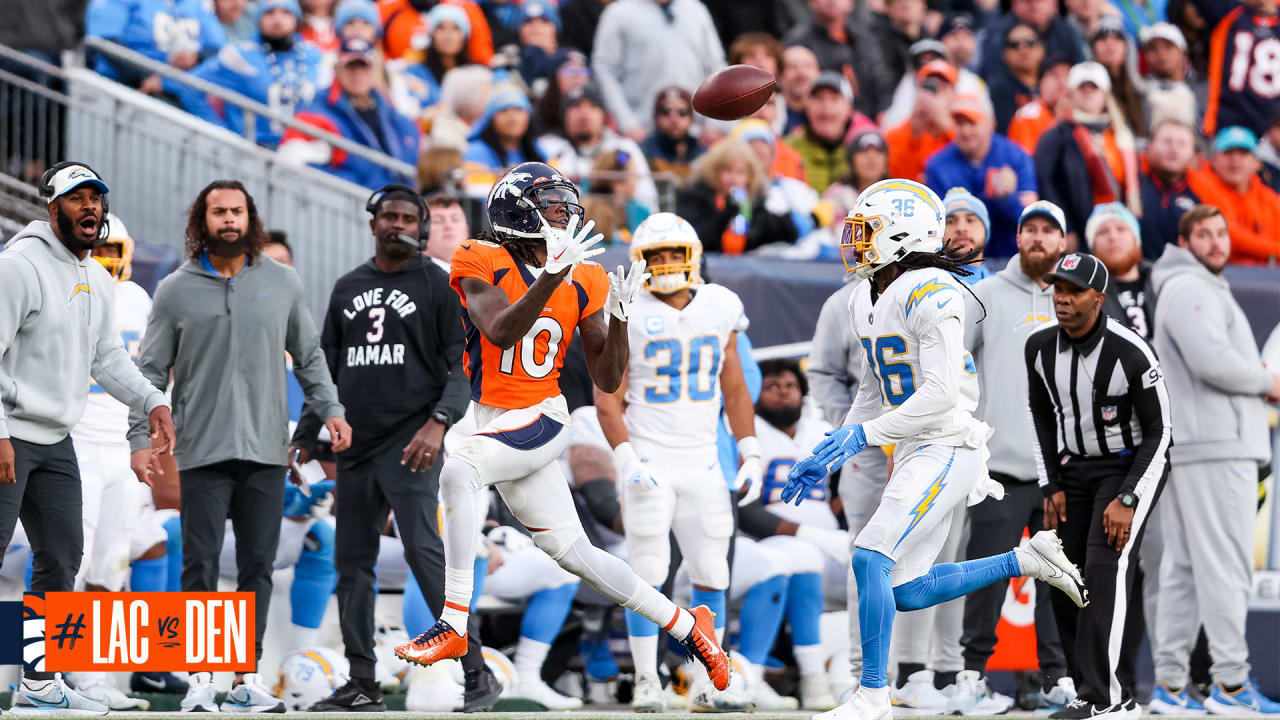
pixel 945 259
pixel 520 249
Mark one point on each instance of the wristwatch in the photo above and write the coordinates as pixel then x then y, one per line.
pixel 1128 499
pixel 440 417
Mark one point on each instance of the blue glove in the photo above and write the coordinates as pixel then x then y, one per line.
pixel 296 504
pixel 803 475
pixel 840 445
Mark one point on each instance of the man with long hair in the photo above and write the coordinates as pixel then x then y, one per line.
pixel 232 420
pixel 918 395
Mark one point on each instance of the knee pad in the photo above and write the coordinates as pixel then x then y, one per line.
pixel 651 561
pixel 557 541
pixel 470 453
pixel 709 568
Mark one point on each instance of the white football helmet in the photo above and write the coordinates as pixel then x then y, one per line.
pixel 668 230
pixel 308 676
pixel 891 219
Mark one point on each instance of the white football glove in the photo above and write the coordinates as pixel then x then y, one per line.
pixel 632 469
pixel 570 246
pixel 750 474
pixel 623 286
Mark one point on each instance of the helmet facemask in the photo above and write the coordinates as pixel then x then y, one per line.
pixel 120 268
pixel 858 243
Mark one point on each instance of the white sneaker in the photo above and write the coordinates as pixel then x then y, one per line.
pixel 53 698
pixel 862 705
pixel 538 691
pixel 767 699
pixel 1060 695
pixel 648 696
pixel 251 696
pixel 112 697
pixel 919 693
pixel 602 692
pixel 815 692
pixel 974 698
pixel 1054 567
pixel 433 689
pixel 201 695
pixel 704 698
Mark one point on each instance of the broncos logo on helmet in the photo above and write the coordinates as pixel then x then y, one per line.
pixel 519 198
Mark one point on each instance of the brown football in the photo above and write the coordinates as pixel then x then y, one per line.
pixel 733 92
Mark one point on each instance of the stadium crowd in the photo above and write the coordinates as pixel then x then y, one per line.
pixel 1144 134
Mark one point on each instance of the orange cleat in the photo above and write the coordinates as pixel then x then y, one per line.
pixel 701 643
pixel 440 642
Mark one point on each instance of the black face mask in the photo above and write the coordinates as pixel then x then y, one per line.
pixel 214 243
pixel 781 418
pixel 284 43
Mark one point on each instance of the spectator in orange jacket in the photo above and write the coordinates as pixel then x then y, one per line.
pixel 405 30
pixel 1036 117
pixel 1230 182
pixel 929 128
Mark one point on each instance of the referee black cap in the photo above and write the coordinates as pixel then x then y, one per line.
pixel 1082 270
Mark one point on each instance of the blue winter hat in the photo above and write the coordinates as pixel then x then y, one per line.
pixel 265 6
pixel 531 9
pixel 1110 211
pixel 350 10
pixel 449 13
pixel 503 98
pixel 959 198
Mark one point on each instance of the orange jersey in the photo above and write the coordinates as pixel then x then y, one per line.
pixel 405 33
pixel 1252 216
pixel 909 152
pixel 527 373
pixel 1029 123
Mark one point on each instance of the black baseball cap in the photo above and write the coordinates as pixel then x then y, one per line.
pixel 1082 270
pixel 957 21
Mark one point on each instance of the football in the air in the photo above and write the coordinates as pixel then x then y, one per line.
pixel 734 92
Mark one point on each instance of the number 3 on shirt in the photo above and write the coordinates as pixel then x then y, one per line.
pixel 897 379
pixel 699 387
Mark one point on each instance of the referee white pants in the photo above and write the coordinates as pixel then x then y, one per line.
pixel 1206 571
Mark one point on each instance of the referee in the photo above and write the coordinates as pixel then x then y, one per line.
pixel 1101 417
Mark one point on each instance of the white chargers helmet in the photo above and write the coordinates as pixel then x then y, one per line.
pixel 308 676
pixel 891 219
pixel 668 231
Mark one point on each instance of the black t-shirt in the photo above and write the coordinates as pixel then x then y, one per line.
pixel 1132 297
pixel 394 344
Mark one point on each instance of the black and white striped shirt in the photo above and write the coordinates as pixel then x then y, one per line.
pixel 1099 396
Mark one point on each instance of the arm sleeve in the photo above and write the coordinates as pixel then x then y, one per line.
pixel 457 389
pixel 155 360
pixel 115 371
pixel 302 341
pixel 608 61
pixel 1043 414
pixel 829 360
pixel 756 522
pixel 1151 403
pixel 1198 326
pixel 938 385
pixel 18 300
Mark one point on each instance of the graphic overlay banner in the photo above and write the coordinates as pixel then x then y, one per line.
pixel 159 631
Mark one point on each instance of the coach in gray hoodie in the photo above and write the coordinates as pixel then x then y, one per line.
pixel 1015 301
pixel 55 329
pixel 1217 384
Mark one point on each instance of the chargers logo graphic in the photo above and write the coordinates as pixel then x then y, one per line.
pixel 79 173
pixel 924 290
pixel 927 500
pixel 1070 262
pixel 1032 318
pixel 79 288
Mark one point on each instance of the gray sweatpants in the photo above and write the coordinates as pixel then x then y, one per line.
pixel 1207 526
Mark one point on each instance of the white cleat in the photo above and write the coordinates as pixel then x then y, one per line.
pixel 53 698
pixel 919 694
pixel 537 691
pixel 112 697
pixel 1054 567
pixel 1060 695
pixel 704 698
pixel 433 689
pixel 815 692
pixel 251 696
pixel 648 696
pixel 201 695
pixel 862 705
pixel 767 699
pixel 972 697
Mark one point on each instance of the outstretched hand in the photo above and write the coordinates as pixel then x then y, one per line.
pixel 570 246
pixel 623 286
pixel 839 445
pixel 803 475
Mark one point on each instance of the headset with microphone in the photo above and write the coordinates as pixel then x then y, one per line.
pixel 424 225
pixel 46 193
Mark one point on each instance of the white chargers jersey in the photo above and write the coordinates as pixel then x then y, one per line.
pixel 923 385
pixel 673 379
pixel 105 419
pixel 778 452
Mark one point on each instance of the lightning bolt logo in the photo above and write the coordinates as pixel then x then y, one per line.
pixel 79 288
pixel 924 290
pixel 927 499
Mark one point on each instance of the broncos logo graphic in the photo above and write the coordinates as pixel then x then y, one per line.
pixel 924 290
pixel 509 185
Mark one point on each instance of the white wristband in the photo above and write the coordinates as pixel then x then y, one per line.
pixel 749 447
pixel 624 454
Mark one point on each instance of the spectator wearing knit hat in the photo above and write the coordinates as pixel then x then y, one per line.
pixel 671 147
pixel 539 37
pixel 1112 235
pixel 415 87
pixel 968 225
pixel 503 136
pixel 1230 182
pixel 406 31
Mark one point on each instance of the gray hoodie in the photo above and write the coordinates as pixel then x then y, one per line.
pixel 1215 377
pixel 1015 305
pixel 836 358
pixel 225 342
pixel 55 329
